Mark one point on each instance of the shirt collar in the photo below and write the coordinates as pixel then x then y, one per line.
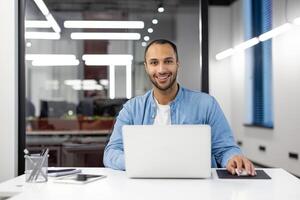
pixel 177 98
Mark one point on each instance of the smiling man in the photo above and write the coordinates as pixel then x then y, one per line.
pixel 169 103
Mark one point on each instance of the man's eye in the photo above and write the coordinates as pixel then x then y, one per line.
pixel 169 61
pixel 153 63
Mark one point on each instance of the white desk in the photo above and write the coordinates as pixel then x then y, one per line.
pixel 282 186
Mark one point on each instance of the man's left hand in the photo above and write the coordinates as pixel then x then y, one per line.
pixel 240 163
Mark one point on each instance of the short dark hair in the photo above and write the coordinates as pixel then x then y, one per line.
pixel 161 41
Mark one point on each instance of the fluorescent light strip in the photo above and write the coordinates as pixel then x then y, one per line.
pixel 42 35
pixel 89 82
pixel 224 54
pixel 263 37
pixel 275 32
pixel 112 81
pixel 50 57
pixel 297 21
pixel 128 81
pixel 246 44
pixel 37 24
pixel 105 36
pixel 112 60
pixel 240 47
pixel 52 62
pixel 107 59
pixel 105 24
pixel 53 23
pixel 42 6
pixel 72 82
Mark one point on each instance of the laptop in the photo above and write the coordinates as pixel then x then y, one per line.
pixel 170 151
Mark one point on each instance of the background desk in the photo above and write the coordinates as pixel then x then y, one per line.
pixel 118 187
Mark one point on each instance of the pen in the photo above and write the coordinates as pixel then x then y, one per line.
pixel 40 165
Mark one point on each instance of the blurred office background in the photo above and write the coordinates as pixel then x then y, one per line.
pixel 75 85
pixel 78 78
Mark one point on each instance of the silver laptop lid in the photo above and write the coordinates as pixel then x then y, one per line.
pixel 171 151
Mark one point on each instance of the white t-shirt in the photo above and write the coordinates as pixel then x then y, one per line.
pixel 163 114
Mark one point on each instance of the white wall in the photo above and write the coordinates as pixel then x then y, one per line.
pixel 285 137
pixel 219 75
pixel 187 41
pixel 8 89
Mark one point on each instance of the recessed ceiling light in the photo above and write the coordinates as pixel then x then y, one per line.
pixel 146 38
pixel 28 44
pixel 150 30
pixel 160 7
pixel 144 44
pixel 154 21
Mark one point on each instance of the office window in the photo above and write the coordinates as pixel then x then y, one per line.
pixel 84 60
pixel 258 19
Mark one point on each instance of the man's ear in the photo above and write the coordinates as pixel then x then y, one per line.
pixel 145 65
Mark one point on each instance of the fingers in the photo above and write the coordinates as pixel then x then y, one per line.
pixel 231 166
pixel 240 163
pixel 249 167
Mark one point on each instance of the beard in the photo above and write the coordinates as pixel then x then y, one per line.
pixel 165 87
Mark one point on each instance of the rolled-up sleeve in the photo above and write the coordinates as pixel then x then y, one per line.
pixel 224 146
pixel 114 152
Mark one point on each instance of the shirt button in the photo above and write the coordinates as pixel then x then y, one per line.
pixel 153 116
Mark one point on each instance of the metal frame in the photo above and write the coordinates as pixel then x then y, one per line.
pixel 21 87
pixel 204 47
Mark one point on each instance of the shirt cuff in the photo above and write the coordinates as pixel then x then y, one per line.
pixel 228 155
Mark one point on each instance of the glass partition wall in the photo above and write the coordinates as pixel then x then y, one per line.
pixel 83 60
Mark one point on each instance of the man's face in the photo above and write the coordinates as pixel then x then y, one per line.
pixel 161 66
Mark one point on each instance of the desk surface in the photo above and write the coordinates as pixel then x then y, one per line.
pixel 117 186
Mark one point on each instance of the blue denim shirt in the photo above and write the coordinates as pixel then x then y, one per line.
pixel 188 107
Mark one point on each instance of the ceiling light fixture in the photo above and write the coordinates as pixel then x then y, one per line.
pixel 144 44
pixel 53 23
pixel 28 44
pixel 246 44
pixel 275 32
pixel 105 24
pixel 160 8
pixel 105 36
pixel 154 21
pixel 55 62
pixel 237 48
pixel 107 59
pixel 37 24
pixel 224 54
pixel 42 6
pixel 50 57
pixel 112 82
pixel 150 30
pixel 146 38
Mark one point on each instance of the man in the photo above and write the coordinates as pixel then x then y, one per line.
pixel 170 103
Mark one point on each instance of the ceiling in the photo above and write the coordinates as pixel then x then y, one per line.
pixel 112 5
pixel 221 2
pixel 126 5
